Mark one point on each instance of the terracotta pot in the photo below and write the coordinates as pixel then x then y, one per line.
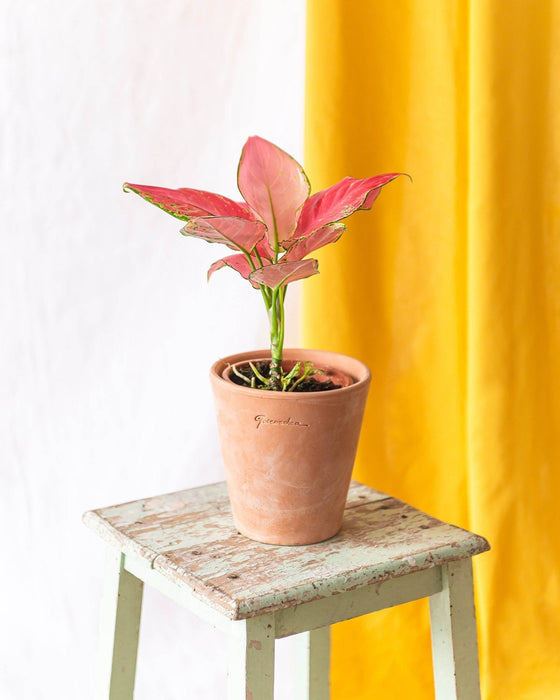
pixel 289 456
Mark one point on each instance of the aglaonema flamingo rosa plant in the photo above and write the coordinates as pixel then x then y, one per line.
pixel 277 225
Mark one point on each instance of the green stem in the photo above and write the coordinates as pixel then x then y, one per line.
pixel 281 319
pixel 276 316
pixel 264 290
pixel 274 303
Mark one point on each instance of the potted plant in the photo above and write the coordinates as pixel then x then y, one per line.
pixel 288 420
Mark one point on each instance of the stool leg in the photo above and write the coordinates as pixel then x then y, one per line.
pixel 313 664
pixel 454 645
pixel 120 626
pixel 251 659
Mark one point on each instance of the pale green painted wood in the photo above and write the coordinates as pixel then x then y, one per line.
pixel 387 553
pixel 454 641
pixel 190 538
pixel 251 659
pixel 178 593
pixel 362 601
pixel 120 626
pixel 312 664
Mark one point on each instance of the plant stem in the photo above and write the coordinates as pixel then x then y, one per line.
pixel 274 302
pixel 276 317
pixel 265 291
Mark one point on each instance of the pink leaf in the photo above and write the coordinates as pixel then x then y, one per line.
pixel 264 250
pixel 339 201
pixel 274 185
pixel 185 203
pixel 238 262
pixel 298 248
pixel 236 233
pixel 241 264
pixel 282 273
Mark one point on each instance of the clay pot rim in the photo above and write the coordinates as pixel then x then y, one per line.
pixel 334 360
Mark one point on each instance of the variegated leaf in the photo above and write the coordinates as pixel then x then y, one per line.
pixel 298 248
pixel 184 203
pixel 274 185
pixel 283 273
pixel 339 201
pixel 237 262
pixel 236 233
pixel 240 262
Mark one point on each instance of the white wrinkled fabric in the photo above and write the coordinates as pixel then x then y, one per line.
pixel 108 324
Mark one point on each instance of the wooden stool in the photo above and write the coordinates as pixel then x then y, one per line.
pixel 387 553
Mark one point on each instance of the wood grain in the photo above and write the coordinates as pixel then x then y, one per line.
pixel 190 538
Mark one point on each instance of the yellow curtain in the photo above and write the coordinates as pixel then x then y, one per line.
pixel 450 290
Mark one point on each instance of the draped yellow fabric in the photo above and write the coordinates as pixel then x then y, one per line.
pixel 450 290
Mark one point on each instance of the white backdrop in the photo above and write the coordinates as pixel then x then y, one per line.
pixel 108 324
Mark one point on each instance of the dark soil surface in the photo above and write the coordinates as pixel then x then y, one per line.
pixel 317 382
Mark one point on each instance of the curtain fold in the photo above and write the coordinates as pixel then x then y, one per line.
pixel 449 289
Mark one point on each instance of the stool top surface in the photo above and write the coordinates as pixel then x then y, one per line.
pixel 189 536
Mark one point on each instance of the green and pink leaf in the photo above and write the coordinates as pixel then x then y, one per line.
pixel 298 248
pixel 340 201
pixel 240 262
pixel 274 185
pixel 185 203
pixel 236 233
pixel 283 273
